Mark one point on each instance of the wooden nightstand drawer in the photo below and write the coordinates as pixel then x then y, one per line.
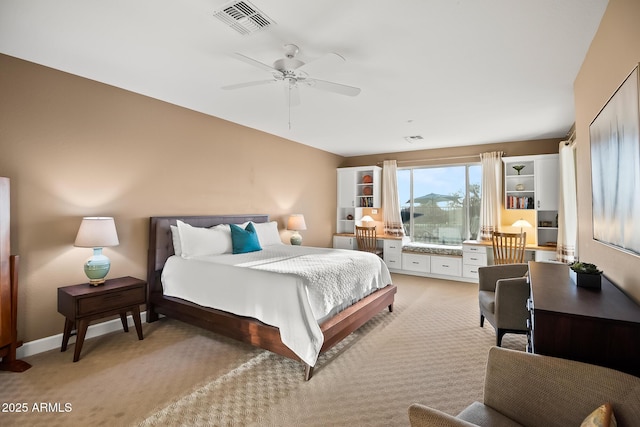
pixel 111 300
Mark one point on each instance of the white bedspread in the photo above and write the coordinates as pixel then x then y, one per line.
pixel 291 287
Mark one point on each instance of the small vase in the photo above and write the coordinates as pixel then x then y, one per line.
pixel 519 187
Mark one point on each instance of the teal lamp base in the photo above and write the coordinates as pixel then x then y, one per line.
pixel 296 239
pixel 97 267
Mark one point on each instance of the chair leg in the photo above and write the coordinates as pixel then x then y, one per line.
pixel 481 320
pixel 499 334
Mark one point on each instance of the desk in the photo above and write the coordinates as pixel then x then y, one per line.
pixel 597 327
pixel 391 246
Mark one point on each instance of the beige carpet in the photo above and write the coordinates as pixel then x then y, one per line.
pixel 429 350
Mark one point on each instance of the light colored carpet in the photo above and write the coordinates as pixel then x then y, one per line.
pixel 429 350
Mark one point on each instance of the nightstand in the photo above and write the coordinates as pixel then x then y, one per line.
pixel 80 304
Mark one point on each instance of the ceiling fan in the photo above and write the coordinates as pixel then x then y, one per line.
pixel 293 73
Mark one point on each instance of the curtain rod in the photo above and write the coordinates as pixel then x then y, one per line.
pixel 434 159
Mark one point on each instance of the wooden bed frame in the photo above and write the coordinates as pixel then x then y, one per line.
pixel 241 328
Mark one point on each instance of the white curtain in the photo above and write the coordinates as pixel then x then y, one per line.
pixel 490 202
pixel 567 205
pixel 390 199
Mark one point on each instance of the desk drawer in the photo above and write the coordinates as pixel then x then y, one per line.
pixel 415 262
pixel 472 258
pixel 393 261
pixel 474 249
pixel 470 271
pixel 393 247
pixel 103 302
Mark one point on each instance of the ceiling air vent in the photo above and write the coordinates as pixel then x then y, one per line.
pixel 413 138
pixel 243 17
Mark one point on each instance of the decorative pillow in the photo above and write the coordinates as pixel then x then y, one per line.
pixel 198 241
pixel 244 240
pixel 268 233
pixel 177 245
pixel 601 417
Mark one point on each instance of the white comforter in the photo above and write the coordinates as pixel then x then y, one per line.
pixel 291 287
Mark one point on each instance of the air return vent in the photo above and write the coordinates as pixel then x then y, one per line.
pixel 243 17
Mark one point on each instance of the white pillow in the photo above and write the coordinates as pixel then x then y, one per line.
pixel 198 241
pixel 175 235
pixel 268 233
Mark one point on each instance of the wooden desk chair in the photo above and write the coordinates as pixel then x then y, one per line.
pixel 508 248
pixel 366 238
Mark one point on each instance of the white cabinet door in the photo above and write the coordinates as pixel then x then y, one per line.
pixel 547 182
pixel 545 256
pixel 344 242
pixel 346 188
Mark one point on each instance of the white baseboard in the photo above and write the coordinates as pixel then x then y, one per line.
pixel 55 342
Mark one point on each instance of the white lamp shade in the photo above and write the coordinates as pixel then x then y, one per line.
pixel 522 223
pixel 296 222
pixel 367 221
pixel 97 232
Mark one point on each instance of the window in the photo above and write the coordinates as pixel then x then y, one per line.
pixel 440 204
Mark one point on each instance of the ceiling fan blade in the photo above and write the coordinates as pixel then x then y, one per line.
pixel 323 64
pixel 332 87
pixel 248 84
pixel 254 62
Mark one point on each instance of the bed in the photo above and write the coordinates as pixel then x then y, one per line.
pixel 333 328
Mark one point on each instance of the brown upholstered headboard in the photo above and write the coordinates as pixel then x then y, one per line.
pixel 161 241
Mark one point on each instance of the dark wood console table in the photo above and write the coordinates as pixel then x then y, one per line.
pixel 601 327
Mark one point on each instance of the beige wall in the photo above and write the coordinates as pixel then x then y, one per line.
pixel 614 52
pixel 74 147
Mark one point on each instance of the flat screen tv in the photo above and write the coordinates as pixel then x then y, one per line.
pixel 615 168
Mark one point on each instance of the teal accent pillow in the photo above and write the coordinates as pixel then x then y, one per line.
pixel 246 240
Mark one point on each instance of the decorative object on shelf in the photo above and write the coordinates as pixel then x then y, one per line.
pixel 350 217
pixel 367 179
pixel 97 232
pixel 546 224
pixel 367 221
pixel 367 191
pixel 586 275
pixel 519 187
pixel 296 223
pixel 522 223
pixel 518 168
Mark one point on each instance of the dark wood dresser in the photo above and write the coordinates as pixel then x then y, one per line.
pixel 601 327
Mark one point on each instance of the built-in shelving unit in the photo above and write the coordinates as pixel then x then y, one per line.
pixel 534 187
pixel 358 188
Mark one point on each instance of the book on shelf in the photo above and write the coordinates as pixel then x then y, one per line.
pixel 366 202
pixel 520 202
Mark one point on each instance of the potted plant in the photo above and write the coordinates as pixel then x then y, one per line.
pixel 587 275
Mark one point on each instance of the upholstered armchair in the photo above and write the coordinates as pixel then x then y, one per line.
pixel 503 294
pixel 524 389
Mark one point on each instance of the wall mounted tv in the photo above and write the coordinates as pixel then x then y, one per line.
pixel 615 168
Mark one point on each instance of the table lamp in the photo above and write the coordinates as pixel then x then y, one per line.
pixel 521 223
pixel 97 233
pixel 296 223
pixel 367 221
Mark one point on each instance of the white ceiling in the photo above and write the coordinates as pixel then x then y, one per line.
pixel 456 72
